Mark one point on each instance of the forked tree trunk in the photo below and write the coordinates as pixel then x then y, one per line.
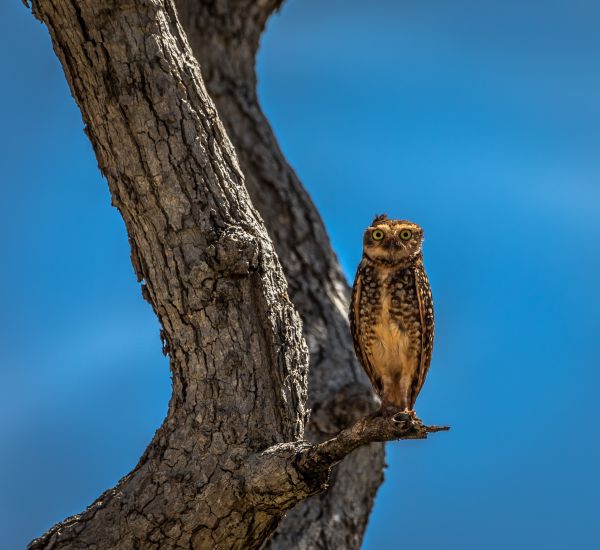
pixel 231 457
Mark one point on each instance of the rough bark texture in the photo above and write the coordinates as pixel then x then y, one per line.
pixel 230 458
pixel 208 269
pixel 224 35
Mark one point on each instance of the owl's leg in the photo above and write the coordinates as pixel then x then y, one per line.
pixel 414 392
pixel 393 399
pixel 407 393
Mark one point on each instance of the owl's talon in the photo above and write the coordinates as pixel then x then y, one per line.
pixel 402 416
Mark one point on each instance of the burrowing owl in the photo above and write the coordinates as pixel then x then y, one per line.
pixel 391 314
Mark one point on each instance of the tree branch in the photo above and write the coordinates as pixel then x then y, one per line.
pixel 367 430
pixel 286 474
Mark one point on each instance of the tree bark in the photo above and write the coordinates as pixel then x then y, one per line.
pixel 224 36
pixel 230 457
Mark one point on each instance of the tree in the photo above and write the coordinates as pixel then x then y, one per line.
pixel 231 254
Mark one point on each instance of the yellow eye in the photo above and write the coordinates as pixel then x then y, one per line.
pixel 377 235
pixel 405 234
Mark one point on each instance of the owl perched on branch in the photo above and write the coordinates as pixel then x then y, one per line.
pixel 391 313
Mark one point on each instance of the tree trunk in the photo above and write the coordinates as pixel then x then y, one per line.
pixel 230 457
pixel 224 36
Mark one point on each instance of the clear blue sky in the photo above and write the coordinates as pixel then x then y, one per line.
pixel 478 120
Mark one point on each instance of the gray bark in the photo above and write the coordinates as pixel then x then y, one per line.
pixel 231 456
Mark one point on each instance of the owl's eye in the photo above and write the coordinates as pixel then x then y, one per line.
pixel 405 234
pixel 377 235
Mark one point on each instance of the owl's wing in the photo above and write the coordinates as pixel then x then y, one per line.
pixel 355 328
pixel 427 322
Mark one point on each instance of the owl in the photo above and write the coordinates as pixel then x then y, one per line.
pixel 391 313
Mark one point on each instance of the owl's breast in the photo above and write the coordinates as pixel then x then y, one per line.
pixel 390 347
pixel 394 343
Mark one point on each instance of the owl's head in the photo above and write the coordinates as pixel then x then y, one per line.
pixel 392 241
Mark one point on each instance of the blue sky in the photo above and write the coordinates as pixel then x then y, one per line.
pixel 478 120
